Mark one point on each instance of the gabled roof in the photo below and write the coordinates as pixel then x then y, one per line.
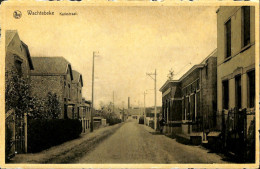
pixel 77 77
pixel 9 35
pixel 51 66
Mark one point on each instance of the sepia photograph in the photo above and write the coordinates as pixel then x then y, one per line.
pixel 130 84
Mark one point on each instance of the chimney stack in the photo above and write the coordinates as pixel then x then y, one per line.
pixel 129 103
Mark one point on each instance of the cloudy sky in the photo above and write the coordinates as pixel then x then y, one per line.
pixel 131 41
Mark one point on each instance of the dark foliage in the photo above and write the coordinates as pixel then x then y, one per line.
pixel 113 120
pixel 141 120
pixel 43 134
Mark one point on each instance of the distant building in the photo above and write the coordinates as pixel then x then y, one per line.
pixel 54 74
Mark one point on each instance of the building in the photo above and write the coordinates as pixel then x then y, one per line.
pixel 17 56
pixel 189 102
pixel 236 72
pixel 53 74
pixel 76 94
pixel 18 63
pixel 85 115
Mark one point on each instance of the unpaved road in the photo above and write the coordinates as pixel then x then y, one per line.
pixel 134 143
pixel 122 143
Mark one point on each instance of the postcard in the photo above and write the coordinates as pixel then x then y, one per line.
pixel 165 84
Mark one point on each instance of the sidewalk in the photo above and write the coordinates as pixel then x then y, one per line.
pixel 68 151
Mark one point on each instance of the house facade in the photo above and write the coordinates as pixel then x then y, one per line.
pixel 189 101
pixel 85 115
pixel 76 94
pixel 18 62
pixel 236 74
pixel 236 57
pixel 54 74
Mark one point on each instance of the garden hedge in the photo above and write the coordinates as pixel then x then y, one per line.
pixel 43 134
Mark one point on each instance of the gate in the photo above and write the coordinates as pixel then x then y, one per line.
pixel 235 132
pixel 20 134
pixel 10 134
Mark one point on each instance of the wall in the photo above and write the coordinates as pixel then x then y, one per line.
pixel 41 85
pixel 241 59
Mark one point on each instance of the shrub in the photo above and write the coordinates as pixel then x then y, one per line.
pixel 113 121
pixel 43 134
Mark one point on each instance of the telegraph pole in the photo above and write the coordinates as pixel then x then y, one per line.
pixel 155 107
pixel 144 110
pixel 92 98
pixel 113 101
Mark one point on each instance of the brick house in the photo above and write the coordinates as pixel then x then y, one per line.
pixel 53 74
pixel 76 94
pixel 188 102
pixel 236 72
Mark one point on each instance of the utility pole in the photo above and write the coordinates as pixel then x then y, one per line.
pixel 155 107
pixel 92 99
pixel 113 101
pixel 144 110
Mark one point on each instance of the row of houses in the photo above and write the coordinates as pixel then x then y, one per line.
pixel 49 75
pixel 216 98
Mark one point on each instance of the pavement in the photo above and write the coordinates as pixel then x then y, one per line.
pixel 127 142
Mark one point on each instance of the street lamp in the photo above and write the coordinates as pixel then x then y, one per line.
pixel 92 105
pixel 155 108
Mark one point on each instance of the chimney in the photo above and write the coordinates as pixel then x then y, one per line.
pixel 129 103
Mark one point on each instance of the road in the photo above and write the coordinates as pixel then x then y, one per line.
pixel 127 142
pixel 135 143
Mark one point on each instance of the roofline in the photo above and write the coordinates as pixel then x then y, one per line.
pixel 167 82
pixel 197 66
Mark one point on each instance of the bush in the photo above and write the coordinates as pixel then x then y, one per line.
pixel 43 134
pixel 250 152
pixel 141 120
pixel 113 121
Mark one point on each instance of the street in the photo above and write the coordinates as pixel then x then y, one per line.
pixel 135 143
pixel 127 142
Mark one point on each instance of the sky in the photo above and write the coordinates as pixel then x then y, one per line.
pixel 131 42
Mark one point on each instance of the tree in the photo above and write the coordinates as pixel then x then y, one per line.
pixel 17 93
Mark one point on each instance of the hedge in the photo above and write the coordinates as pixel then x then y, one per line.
pixel 43 134
pixel 113 121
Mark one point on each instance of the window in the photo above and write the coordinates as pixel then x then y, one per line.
pixel 18 66
pixel 238 92
pixel 228 38
pixel 251 89
pixel 69 90
pixel 246 25
pixel 225 100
